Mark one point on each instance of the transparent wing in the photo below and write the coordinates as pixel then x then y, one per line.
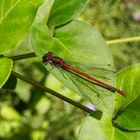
pixel 89 90
pixel 98 71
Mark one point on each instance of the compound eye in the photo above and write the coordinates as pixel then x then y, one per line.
pixel 50 53
pixel 47 59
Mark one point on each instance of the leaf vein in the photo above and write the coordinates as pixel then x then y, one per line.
pixel 10 9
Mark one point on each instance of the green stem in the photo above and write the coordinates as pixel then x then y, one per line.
pixel 22 56
pixel 74 103
pixel 124 40
pixel 110 42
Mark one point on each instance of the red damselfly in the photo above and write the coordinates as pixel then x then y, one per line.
pixel 59 62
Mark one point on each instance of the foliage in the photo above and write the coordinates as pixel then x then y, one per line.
pixel 126 109
pixel 116 19
pixel 26 112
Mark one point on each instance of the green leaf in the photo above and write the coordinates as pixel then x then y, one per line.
pixel 43 12
pixel 16 17
pixel 128 109
pixel 5 69
pixel 122 135
pixel 65 10
pixel 82 44
pixel 92 129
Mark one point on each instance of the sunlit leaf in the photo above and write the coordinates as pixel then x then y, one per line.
pixel 65 10
pixel 5 70
pixel 123 135
pixel 92 129
pixel 128 109
pixel 16 17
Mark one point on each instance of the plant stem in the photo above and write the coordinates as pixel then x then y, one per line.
pixel 110 42
pixel 54 93
pixel 124 40
pixel 22 56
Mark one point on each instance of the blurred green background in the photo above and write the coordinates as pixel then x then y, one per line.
pixel 28 113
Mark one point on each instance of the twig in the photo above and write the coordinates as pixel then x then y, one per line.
pixel 74 103
pixel 123 40
pixel 22 56
pixel 110 42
